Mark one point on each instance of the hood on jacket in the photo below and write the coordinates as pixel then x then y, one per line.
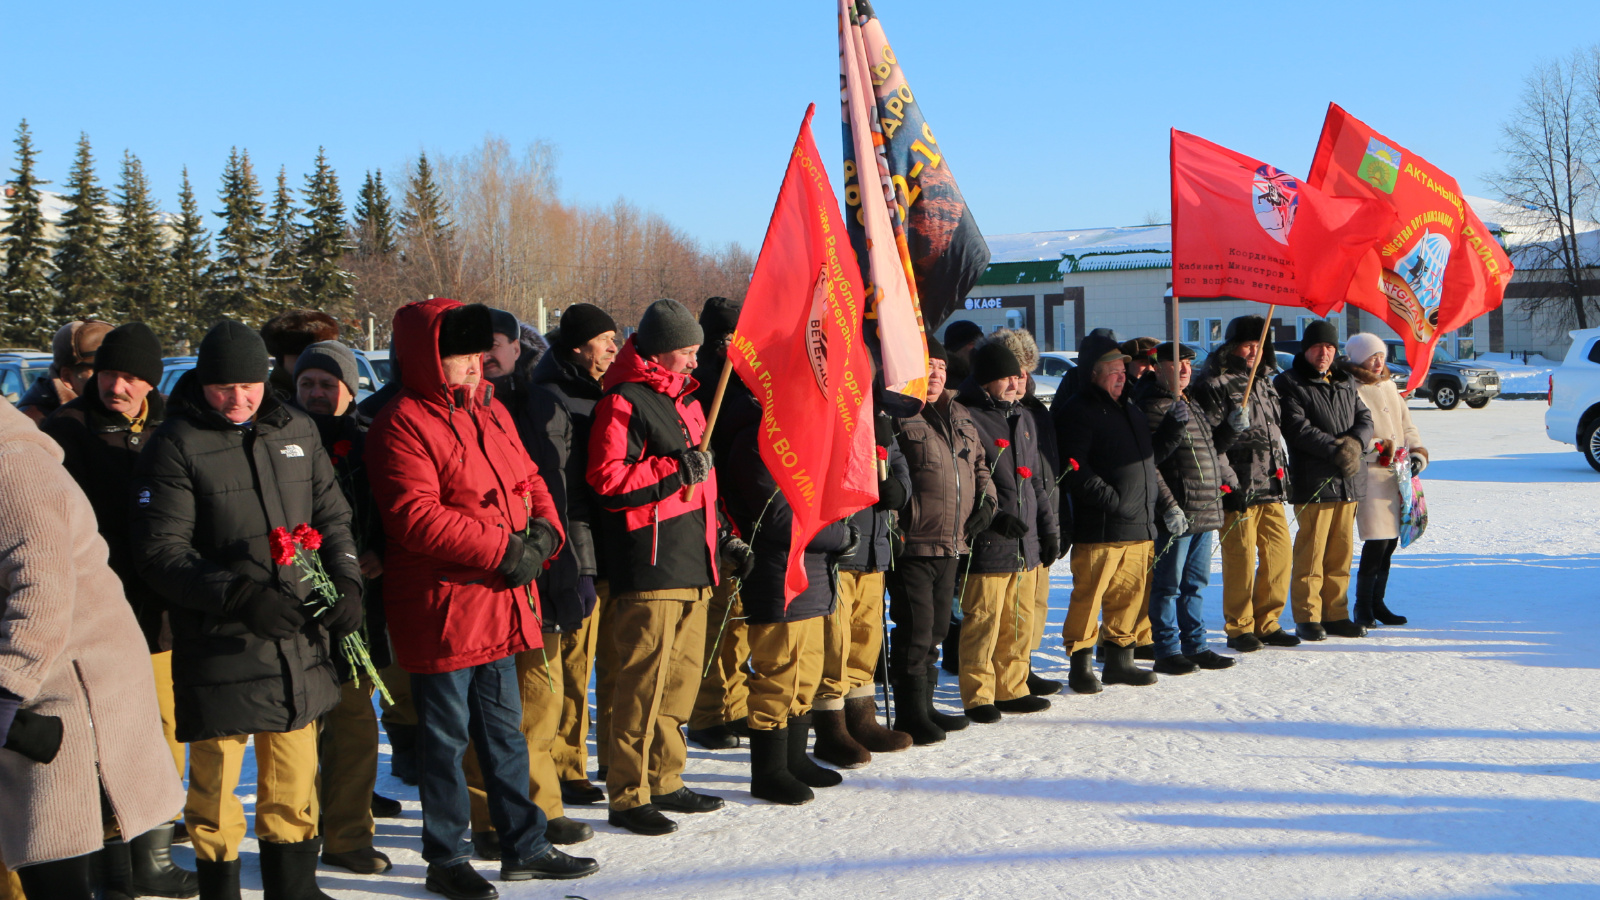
pixel 416 348
pixel 631 366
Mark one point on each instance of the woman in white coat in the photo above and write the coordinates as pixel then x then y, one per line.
pixel 1378 516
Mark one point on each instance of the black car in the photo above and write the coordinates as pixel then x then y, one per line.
pixel 1450 381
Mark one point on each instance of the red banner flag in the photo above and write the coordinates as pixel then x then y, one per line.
pixel 1242 228
pixel 799 349
pixel 1436 267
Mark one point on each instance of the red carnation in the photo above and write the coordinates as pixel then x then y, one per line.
pixel 1280 473
pixel 282 543
pixel 1073 464
pixel 1024 472
pixel 1377 446
pixel 1226 489
pixel 307 537
pixel 523 488
pixel 1002 443
pixel 341 449
pixel 883 452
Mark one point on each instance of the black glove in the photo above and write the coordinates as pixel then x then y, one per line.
pixel 587 595
pixel 978 521
pixel 345 617
pixel 891 495
pixel 1179 412
pixel 1049 548
pixel 270 615
pixel 851 543
pixel 738 560
pixel 525 557
pixel 1008 526
pixel 1347 456
pixel 1418 463
pixel 694 466
pixel 38 737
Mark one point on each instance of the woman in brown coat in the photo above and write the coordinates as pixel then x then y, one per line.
pixel 1378 515
pixel 72 653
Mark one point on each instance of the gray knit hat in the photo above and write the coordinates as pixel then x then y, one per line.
pixel 332 357
pixel 667 325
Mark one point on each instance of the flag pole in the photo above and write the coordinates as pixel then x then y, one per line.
pixel 1251 384
pixel 1177 348
pixel 711 417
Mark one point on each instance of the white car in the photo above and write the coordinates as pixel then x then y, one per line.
pixel 1574 398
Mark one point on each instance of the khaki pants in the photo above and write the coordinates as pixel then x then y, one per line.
pixel 402 711
pixel 1109 580
pixel 786 660
pixel 349 756
pixel 723 693
pixel 852 639
pixel 162 664
pixel 571 748
pixel 1255 569
pixel 10 884
pixel 1041 607
pixel 286 791
pixel 542 698
pixel 1323 549
pixel 605 672
pixel 1142 636
pixel 660 642
pixel 996 626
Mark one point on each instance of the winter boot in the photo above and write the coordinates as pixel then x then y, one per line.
pixel 983 714
pixel 1212 660
pixel 114 871
pixel 565 830
pixel 861 718
pixel 950 655
pixel 911 711
pixel 1027 703
pixel 386 807
pixel 1382 613
pixel 802 766
pixel 289 871
pixel 154 872
pixel 74 878
pixel 1176 664
pixel 1309 631
pixel 218 880
pixel 1277 637
pixel 1042 687
pixel 944 720
pixel 1145 652
pixel 1344 628
pixel 1361 613
pixel 1081 678
pixel 403 752
pixel 717 737
pixel 1119 668
pixel 1244 643
pixel 770 778
pixel 834 743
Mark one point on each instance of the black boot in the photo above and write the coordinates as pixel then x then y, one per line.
pixel 1081 678
pixel 1042 687
pixel 1176 664
pixel 1361 613
pixel 770 778
pixel 154 872
pixel 565 830
pixel 945 721
pixel 218 880
pixel 717 737
pixel 386 807
pixel 911 711
pixel 403 752
pixel 1309 631
pixel 1344 628
pixel 1119 668
pixel 459 882
pixel 950 657
pixel 114 871
pixel 1382 613
pixel 486 845
pixel 835 745
pixel 76 878
pixel 801 765
pixel 289 871
pixel 861 719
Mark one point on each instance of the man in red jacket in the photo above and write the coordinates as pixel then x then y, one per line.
pixel 469 525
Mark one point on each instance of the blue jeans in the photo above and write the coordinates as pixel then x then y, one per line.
pixel 1180 575
pixel 482 702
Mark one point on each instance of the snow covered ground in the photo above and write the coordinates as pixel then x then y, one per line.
pixel 1457 757
pixel 1518 375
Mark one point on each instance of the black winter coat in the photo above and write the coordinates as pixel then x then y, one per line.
pixel 1026 498
pixel 1317 411
pixel 1117 495
pixel 208 493
pixel 1191 469
pixel 874 522
pixel 1044 428
pixel 1259 454
pixel 101 451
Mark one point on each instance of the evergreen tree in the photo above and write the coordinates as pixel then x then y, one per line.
pixel 29 298
pixel 188 284
pixel 374 219
pixel 425 216
pixel 283 236
pixel 139 259
pixel 83 279
pixel 239 286
pixel 325 285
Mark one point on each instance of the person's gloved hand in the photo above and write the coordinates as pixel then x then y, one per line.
pixel 525 558
pixel 851 543
pixel 35 736
pixel 587 595
pixel 891 494
pixel 345 617
pixel 1239 418
pixel 738 560
pixel 9 704
pixel 1049 548
pixel 979 519
pixel 1418 463
pixel 1175 521
pixel 1008 526
pixel 694 466
pixel 1347 456
pixel 270 615
pixel 1179 412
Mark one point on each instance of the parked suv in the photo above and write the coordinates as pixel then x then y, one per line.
pixel 1450 381
pixel 19 369
pixel 1574 398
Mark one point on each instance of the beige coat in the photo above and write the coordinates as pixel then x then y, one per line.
pixel 1378 516
pixel 70 647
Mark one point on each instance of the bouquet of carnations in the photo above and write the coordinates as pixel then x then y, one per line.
pixel 299 548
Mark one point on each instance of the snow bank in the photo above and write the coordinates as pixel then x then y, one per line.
pixel 1518 376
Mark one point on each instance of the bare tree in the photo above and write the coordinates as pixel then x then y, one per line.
pixel 1552 152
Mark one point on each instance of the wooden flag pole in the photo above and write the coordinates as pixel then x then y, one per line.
pixel 711 417
pixel 1251 384
pixel 1177 347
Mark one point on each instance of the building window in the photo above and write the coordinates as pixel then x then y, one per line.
pixel 1213 333
pixel 1191 331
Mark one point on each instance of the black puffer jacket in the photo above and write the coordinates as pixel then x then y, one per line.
pixel 1257 456
pixel 872 553
pixel 1317 411
pixel 1117 495
pixel 208 493
pixel 949 472
pixel 762 514
pixel 101 450
pixel 1026 498
pixel 1044 428
pixel 1191 469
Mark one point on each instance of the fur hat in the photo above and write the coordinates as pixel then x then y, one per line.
pixel 1163 353
pixel 332 357
pixel 1019 342
pixel 466 329
pixel 665 326
pixel 76 342
pixel 290 332
pixel 1139 347
pixel 1363 346
pixel 992 361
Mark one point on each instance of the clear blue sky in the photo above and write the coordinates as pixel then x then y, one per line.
pixel 1052 114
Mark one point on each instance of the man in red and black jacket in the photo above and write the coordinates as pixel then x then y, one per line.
pixel 661 549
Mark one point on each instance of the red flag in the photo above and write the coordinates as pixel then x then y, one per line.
pixel 1242 228
pixel 1436 267
pixel 799 349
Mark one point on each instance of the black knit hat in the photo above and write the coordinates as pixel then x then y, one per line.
pixel 1163 353
pixel 936 350
pixel 131 348
pixel 505 323
pixel 666 326
pixel 994 361
pixel 231 353
pixel 466 329
pixel 582 323
pixel 1319 332
pixel 719 317
pixel 960 333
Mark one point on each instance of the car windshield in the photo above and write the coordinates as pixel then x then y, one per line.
pixel 381 366
pixel 31 374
